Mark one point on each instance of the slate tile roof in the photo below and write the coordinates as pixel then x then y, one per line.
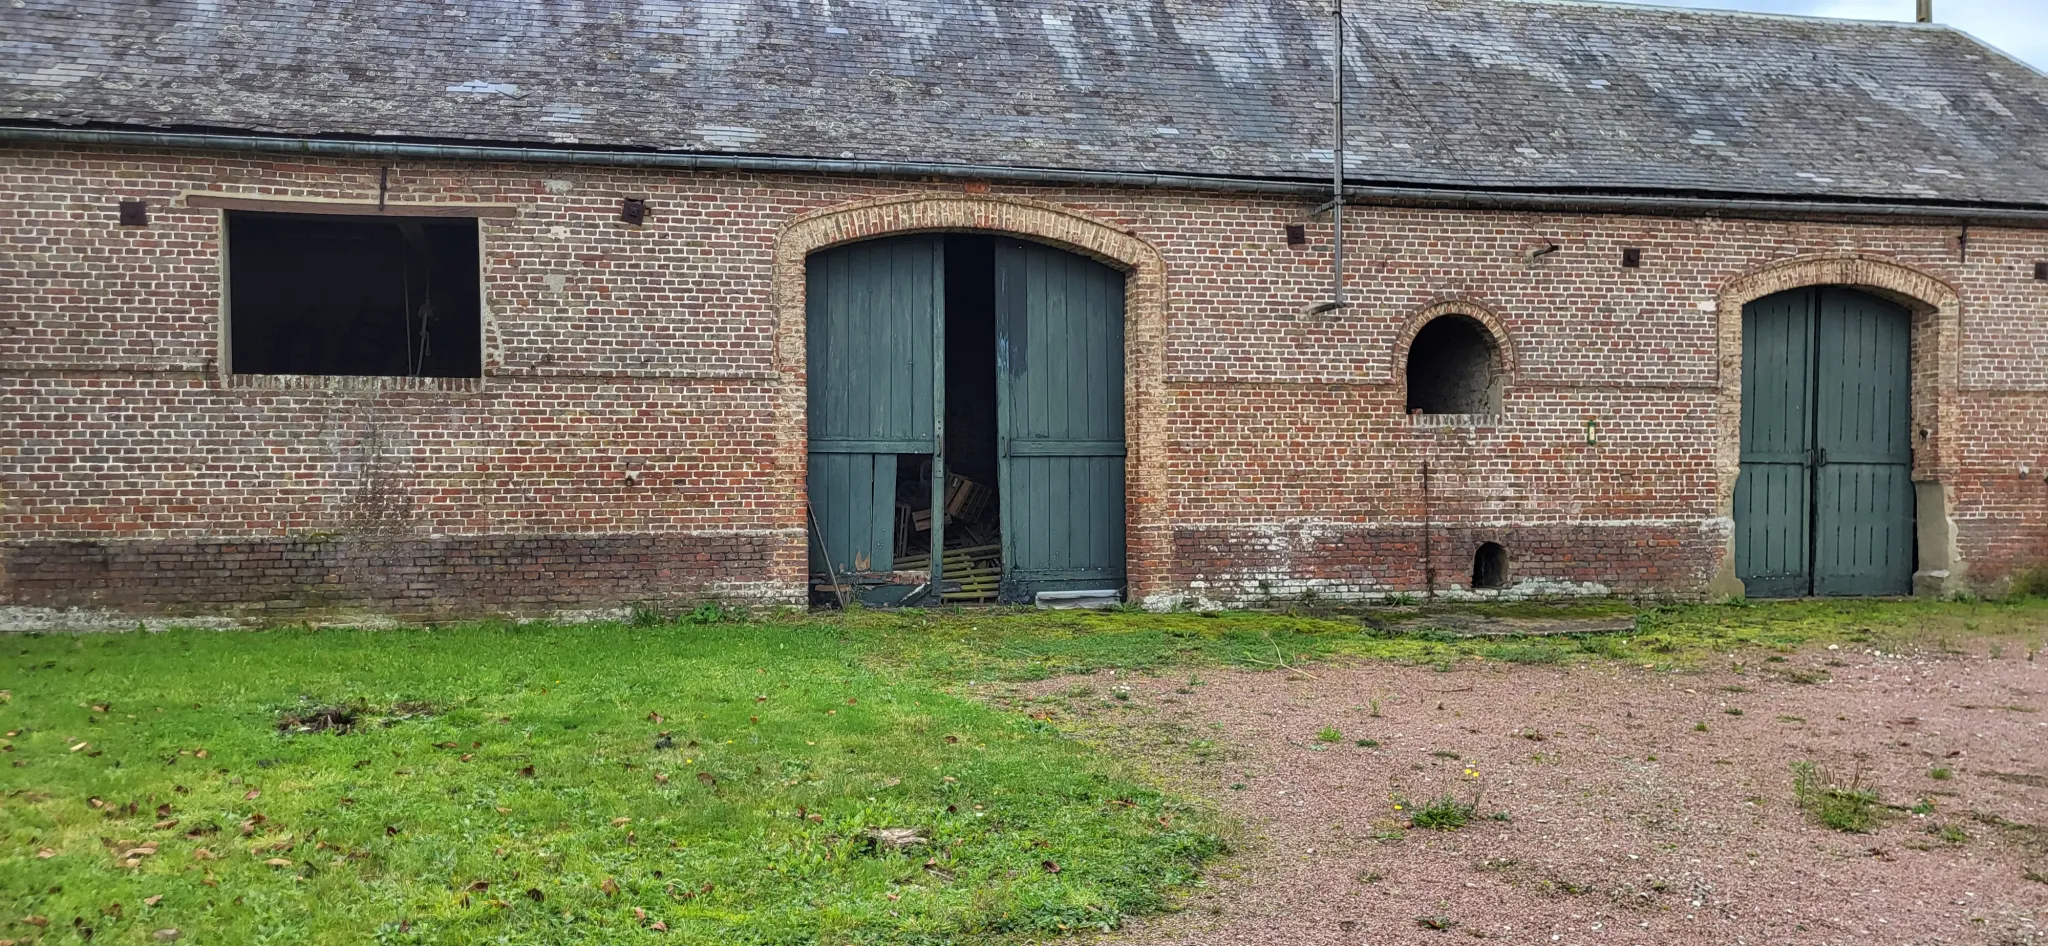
pixel 1539 94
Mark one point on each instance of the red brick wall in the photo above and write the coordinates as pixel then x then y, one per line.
pixel 1289 466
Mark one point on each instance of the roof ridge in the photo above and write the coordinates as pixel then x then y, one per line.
pixel 1806 18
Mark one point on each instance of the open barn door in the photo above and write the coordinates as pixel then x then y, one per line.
pixel 874 323
pixel 1060 408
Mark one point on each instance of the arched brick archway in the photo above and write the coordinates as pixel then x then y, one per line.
pixel 1936 333
pixel 1148 540
pixel 1496 331
pixel 1491 330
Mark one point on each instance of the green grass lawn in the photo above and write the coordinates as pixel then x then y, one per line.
pixel 530 803
pixel 511 784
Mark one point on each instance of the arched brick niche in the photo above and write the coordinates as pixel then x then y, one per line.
pixel 1493 333
pixel 1936 335
pixel 1148 539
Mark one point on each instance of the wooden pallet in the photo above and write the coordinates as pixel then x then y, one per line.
pixel 979 571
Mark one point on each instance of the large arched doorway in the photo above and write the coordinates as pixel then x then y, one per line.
pixel 965 398
pixel 1824 503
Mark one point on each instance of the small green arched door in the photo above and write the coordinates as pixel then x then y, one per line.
pixel 1824 503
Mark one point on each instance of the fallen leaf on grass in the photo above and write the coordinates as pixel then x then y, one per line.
pixel 656 718
pixel 202 854
pixel 445 745
pixel 100 707
pixel 610 887
pixel 152 901
pixel 616 822
pixel 277 862
pixel 200 753
pixel 252 794
pixel 47 852
pixel 166 824
pixel 706 778
pixel 466 757
pixel 1050 867
pixel 527 771
pixel 36 920
pixel 658 926
pixel 660 779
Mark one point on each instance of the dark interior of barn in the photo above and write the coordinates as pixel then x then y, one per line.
pixel 315 294
pixel 973 536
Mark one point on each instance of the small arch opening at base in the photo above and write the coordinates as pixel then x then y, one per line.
pixel 1490 566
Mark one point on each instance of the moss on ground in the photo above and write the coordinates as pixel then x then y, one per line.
pixel 1023 644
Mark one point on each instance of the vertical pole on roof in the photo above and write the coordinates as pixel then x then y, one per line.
pixel 1337 155
pixel 1924 12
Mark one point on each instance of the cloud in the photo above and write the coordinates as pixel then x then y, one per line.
pixel 2015 26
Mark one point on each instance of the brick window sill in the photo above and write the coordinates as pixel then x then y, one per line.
pixel 1453 420
pixel 349 383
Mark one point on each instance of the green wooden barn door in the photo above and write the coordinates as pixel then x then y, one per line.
pixel 1774 494
pixel 1060 420
pixel 1824 504
pixel 1863 516
pixel 874 313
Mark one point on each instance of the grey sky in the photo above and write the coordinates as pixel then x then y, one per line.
pixel 2019 27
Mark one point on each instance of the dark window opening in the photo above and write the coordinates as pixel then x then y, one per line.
pixel 343 295
pixel 1451 368
pixel 1490 566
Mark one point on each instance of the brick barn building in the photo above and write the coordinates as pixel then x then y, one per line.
pixel 440 309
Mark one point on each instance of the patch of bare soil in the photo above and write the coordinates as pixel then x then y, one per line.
pixel 344 718
pixel 1611 805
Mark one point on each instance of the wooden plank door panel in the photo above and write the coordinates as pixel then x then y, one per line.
pixel 1060 420
pixel 853 499
pixel 1773 495
pixel 1863 517
pixel 874 311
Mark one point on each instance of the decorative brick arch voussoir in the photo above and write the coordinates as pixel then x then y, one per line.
pixel 1148 539
pixel 1936 336
pixel 1496 333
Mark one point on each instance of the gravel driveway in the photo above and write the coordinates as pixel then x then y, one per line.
pixel 1615 805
